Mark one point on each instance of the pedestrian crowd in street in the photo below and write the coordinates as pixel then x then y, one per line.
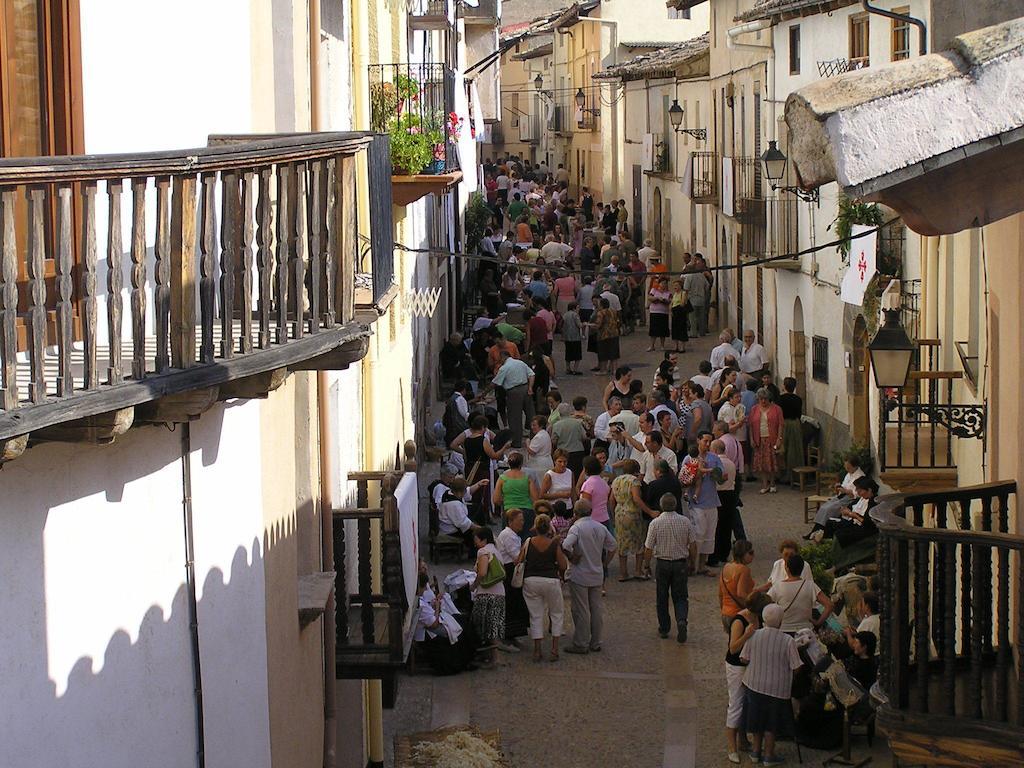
pixel 654 474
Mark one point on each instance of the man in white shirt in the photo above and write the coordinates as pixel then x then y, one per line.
pixel 561 175
pixel 704 377
pixel 603 421
pixel 718 354
pixel 646 252
pixel 657 403
pixel 638 442
pixel 655 452
pixel 453 515
pixel 613 300
pixel 754 357
pixel 552 250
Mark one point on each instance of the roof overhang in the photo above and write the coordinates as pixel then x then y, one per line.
pixel 939 138
pixel 683 5
pixel 792 9
pixel 534 53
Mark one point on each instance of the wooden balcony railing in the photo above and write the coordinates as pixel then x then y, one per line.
pixel 229 261
pixel 952 633
pixel 375 621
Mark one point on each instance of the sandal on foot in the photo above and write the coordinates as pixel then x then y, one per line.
pixel 625 578
pixel 553 657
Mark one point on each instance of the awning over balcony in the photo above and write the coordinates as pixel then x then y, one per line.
pixel 927 137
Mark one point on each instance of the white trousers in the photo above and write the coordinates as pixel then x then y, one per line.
pixel 734 682
pixel 705 520
pixel 544 598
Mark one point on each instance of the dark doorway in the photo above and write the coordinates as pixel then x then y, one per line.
pixel 638 204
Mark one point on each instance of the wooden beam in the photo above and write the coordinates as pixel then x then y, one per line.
pixel 337 359
pixel 314 592
pixel 12 448
pixel 178 408
pixel 33 417
pixel 253 387
pixel 98 429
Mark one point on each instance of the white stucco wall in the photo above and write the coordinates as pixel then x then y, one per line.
pixel 96 663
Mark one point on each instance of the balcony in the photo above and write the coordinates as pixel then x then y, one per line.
pixel 232 265
pixel 660 158
pixel 486 12
pixel 426 15
pixel 705 177
pixel 950 681
pixel 784 214
pixel 415 105
pixel 376 542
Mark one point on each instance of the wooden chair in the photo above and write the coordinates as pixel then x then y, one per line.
pixel 438 543
pixel 810 472
pixel 811 505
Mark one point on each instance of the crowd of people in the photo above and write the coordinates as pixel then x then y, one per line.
pixel 653 475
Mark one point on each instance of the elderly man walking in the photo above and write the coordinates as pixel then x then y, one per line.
pixel 590 547
pixel 516 378
pixel 671 541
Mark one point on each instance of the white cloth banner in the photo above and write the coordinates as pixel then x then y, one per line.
pixel 479 127
pixel 728 207
pixel 408 498
pixel 648 152
pixel 687 184
pixel 862 265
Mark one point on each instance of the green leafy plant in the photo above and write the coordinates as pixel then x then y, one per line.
pixel 661 161
pixel 478 216
pixel 859 450
pixel 383 106
pixel 854 212
pixel 410 152
pixel 822 558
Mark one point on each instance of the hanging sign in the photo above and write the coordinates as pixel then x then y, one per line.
pixel 862 265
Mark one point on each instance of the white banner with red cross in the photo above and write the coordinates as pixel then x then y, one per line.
pixel 862 265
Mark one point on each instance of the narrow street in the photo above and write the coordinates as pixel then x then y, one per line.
pixel 641 701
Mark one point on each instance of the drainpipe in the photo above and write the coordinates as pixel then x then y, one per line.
pixel 190 588
pixel 922 30
pixel 314 65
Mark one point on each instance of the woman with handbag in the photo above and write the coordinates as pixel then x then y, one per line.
pixel 488 593
pixel 680 314
pixel 541 565
pixel 735 582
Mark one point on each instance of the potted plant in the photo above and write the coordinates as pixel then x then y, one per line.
pixel 411 149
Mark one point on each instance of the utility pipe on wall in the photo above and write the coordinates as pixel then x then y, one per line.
pixel 733 45
pixel 922 30
pixel 190 588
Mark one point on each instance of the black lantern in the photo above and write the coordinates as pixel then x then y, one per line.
pixel 774 163
pixel 538 81
pixel 581 98
pixel 675 114
pixel 891 353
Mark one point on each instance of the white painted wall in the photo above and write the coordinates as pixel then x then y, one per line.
pixel 648 20
pixel 96 663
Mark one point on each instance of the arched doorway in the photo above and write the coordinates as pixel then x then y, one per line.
pixel 861 385
pixel 798 350
pixel 656 221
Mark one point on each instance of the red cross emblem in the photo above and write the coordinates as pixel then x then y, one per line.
pixel 862 265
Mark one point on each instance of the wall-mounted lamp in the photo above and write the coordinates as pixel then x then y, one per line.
pixel 775 169
pixel 675 116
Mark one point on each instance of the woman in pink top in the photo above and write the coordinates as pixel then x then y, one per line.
pixel 594 489
pixel 565 293
pixel 764 430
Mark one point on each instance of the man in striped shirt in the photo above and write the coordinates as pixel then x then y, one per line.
pixel 671 540
pixel 771 657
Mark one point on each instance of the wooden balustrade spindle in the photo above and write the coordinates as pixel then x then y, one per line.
pixel 65 287
pixel 8 301
pixel 115 281
pixel 162 257
pixel 230 233
pixel 207 282
pixel 183 272
pixel 349 239
pixel 90 310
pixel 901 633
pixel 1019 638
pixel 1003 658
pixel 138 277
pixel 314 204
pixel 922 627
pixel 245 268
pixel 36 321
pixel 965 583
pixel 330 290
pixel 977 643
pixel 948 650
pixel 885 608
pixel 340 584
pixel 299 252
pixel 365 545
pixel 264 255
pixel 284 245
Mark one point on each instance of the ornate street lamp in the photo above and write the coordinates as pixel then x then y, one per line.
pixel 581 100
pixel 675 116
pixel 538 82
pixel 891 353
pixel 775 169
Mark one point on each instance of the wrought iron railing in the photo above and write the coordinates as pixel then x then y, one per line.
pixel 834 67
pixel 705 176
pixel 910 308
pixel 229 260
pixel 416 103
pixel 749 180
pixel 952 620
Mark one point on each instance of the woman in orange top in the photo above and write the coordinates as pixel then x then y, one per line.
pixel 736 583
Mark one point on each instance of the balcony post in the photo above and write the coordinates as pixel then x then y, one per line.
pixel 183 272
pixel 394 583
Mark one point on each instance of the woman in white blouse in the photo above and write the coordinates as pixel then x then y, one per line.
pixel 557 482
pixel 846 496
pixel 538 449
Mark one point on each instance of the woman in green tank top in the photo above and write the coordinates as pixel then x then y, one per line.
pixel 516 490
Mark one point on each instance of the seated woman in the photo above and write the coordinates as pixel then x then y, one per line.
pixel 797 597
pixel 855 524
pixel 862 666
pixel 845 496
pixel 448 644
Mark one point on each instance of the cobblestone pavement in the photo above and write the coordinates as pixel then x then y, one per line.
pixel 641 702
